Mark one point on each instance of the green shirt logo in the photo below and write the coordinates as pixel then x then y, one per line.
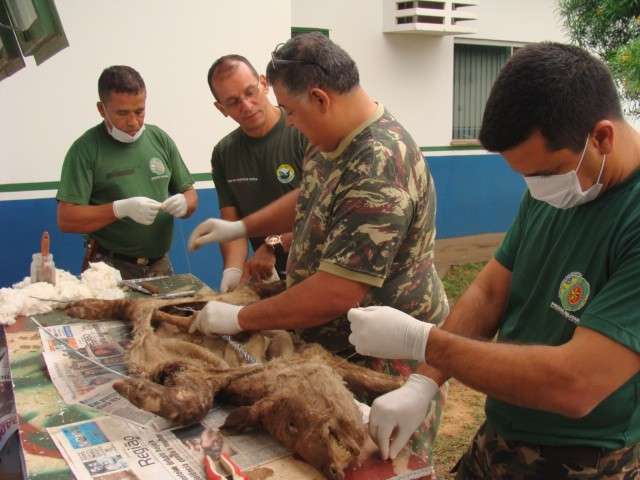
pixel 156 166
pixel 285 173
pixel 574 292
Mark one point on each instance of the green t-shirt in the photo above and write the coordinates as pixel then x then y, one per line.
pixel 98 169
pixel 579 266
pixel 366 212
pixel 250 173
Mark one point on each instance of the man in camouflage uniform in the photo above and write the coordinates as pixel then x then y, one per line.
pixel 363 227
pixel 562 293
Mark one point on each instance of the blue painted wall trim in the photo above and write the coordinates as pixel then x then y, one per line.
pixel 475 194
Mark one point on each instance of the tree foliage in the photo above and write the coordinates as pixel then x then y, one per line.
pixel 610 28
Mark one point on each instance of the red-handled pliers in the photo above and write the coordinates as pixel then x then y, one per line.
pixel 228 464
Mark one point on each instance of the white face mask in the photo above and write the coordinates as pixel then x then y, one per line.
pixel 564 190
pixel 121 136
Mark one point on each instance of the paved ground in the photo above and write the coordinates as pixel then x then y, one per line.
pixel 461 250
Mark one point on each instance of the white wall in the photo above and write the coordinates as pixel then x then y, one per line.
pixel 172 44
pixel 412 74
pixel 518 21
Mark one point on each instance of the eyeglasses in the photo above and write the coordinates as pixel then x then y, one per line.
pixel 249 94
pixel 275 61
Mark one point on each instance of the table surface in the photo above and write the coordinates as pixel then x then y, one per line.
pixel 39 406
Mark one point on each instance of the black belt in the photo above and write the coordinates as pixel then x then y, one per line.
pixel 573 454
pixel 142 261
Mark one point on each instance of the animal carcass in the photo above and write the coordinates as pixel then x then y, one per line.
pixel 297 392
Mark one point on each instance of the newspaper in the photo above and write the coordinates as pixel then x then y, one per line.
pixel 8 419
pixel 79 381
pixel 110 449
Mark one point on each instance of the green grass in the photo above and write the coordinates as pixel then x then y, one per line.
pixel 464 410
pixel 459 277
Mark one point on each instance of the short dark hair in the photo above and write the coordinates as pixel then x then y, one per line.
pixel 312 60
pixel 224 65
pixel 562 91
pixel 120 79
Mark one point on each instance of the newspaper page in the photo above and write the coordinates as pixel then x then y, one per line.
pixel 78 380
pixel 8 419
pixel 110 449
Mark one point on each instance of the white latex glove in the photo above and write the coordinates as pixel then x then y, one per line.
pixel 230 279
pixel 399 413
pixel 217 318
pixel 385 332
pixel 139 209
pixel 175 205
pixel 216 230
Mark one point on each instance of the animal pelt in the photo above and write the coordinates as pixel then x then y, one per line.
pixel 297 392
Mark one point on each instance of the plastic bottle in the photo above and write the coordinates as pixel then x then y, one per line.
pixel 43 269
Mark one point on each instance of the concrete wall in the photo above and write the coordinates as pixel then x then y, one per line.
pixel 412 74
pixel 46 107
pixel 172 44
pixel 518 21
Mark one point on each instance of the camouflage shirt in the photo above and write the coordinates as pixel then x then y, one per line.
pixel 366 212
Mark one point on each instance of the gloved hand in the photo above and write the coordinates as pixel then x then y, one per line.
pixel 140 209
pixel 385 332
pixel 217 318
pixel 400 412
pixel 230 279
pixel 175 205
pixel 216 230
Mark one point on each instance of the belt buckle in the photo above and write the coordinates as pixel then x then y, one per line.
pixel 142 261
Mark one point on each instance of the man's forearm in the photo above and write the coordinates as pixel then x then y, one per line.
pixel 315 301
pixel 234 253
pixel 529 376
pixel 477 312
pixel 84 218
pixel 191 196
pixel 277 217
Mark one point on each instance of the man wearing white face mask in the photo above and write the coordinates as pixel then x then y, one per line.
pixel 564 190
pixel 562 293
pixel 123 182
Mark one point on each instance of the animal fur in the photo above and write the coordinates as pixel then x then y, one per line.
pixel 297 392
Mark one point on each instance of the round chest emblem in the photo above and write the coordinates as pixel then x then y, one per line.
pixel 574 292
pixel 285 173
pixel 156 166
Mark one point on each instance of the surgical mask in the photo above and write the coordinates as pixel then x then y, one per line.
pixel 121 136
pixel 564 190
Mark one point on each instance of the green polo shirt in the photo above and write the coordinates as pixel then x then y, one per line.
pixel 98 169
pixel 579 266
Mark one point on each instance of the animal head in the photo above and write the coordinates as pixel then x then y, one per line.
pixel 329 440
pixel 312 413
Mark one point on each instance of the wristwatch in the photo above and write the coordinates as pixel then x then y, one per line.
pixel 274 242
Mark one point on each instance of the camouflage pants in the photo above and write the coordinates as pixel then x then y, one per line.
pixel 492 457
pixel 130 270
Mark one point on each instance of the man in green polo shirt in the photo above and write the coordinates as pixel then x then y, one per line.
pixel 252 166
pixel 562 293
pixel 123 182
pixel 363 224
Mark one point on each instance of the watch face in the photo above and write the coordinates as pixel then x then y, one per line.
pixel 273 240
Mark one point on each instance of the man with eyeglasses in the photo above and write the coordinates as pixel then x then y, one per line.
pixel 252 166
pixel 363 232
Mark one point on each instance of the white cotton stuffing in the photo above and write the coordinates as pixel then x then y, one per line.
pixel 98 281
